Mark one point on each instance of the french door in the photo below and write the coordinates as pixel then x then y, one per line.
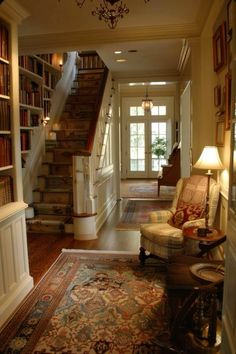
pixel 141 163
pixel 141 129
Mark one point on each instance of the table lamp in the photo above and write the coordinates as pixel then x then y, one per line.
pixel 209 160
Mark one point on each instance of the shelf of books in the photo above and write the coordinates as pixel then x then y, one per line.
pixel 6 188
pixel 15 280
pixel 38 76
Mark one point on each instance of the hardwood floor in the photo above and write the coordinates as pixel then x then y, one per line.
pixel 43 249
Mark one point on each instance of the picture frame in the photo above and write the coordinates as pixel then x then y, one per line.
pixel 220 133
pixel 219 48
pixel 229 23
pixel 228 101
pixel 217 96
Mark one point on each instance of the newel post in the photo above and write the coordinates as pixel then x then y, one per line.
pixel 84 200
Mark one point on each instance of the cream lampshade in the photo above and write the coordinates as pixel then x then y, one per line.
pixel 209 160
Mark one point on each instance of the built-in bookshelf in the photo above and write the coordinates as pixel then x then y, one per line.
pixel 6 167
pixel 15 280
pixel 38 76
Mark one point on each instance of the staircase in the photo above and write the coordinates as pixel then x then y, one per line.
pixel 53 199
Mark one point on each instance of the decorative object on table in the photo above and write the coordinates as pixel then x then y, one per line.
pixel 208 271
pixel 208 160
pixel 159 147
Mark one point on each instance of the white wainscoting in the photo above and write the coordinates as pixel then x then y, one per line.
pixel 15 281
pixel 106 193
pixel 229 303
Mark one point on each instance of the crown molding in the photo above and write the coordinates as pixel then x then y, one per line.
pixel 88 39
pixel 122 77
pixel 12 11
pixel 184 56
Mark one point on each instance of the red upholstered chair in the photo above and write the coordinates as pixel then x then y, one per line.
pixel 163 236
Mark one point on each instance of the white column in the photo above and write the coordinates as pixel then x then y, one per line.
pixel 84 199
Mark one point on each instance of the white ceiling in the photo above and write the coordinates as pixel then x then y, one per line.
pixel 156 30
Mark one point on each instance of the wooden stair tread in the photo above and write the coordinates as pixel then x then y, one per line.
pixel 51 219
pixel 50 204
pixel 52 190
pixel 54 176
pixel 60 163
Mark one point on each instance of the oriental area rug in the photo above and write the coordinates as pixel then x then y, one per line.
pixel 91 303
pixel 137 211
pixel 145 189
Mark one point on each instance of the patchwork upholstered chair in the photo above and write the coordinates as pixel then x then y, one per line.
pixel 163 236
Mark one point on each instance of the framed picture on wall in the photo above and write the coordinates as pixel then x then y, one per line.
pixel 227 100
pixel 220 133
pixel 217 96
pixel 219 48
pixel 229 23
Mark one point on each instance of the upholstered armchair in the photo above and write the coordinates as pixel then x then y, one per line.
pixel 163 236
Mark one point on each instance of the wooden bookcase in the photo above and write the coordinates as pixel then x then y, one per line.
pixel 15 281
pixel 6 166
pixel 38 76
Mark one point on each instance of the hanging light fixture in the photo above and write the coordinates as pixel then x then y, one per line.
pixel 147 103
pixel 110 11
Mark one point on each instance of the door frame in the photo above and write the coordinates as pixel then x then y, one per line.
pixel 126 102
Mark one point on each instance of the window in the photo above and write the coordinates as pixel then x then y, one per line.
pixel 135 111
pixel 158 111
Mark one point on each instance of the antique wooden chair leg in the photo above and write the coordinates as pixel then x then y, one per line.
pixel 142 255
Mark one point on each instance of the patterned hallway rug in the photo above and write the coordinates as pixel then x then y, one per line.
pixel 144 189
pixel 136 212
pixel 91 302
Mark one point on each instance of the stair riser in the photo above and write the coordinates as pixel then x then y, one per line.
pixel 81 116
pixel 75 124
pixel 80 108
pixel 44 228
pixel 50 197
pixel 55 182
pixel 72 145
pixel 80 85
pixel 71 134
pixel 62 170
pixel 89 77
pixel 63 155
pixel 49 156
pixel 53 210
pixel 83 91
pixel 73 99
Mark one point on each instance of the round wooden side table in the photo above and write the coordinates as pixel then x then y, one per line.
pixel 205 243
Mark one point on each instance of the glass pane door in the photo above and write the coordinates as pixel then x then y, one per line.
pixel 136 150
pixel 158 130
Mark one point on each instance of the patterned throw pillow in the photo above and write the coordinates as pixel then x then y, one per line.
pixel 186 213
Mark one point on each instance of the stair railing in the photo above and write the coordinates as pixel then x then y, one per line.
pixel 40 134
pixel 88 168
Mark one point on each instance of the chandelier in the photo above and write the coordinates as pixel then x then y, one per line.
pixel 110 11
pixel 147 103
